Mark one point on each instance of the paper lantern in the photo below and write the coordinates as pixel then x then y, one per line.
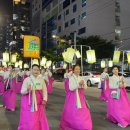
pixel 20 66
pixel 128 57
pixel 20 62
pixel 78 54
pixel 6 57
pixel 91 57
pixel 54 67
pixel 70 55
pixel 16 64
pixel 4 64
pixel 26 66
pixel 103 64
pixel 65 66
pixel 48 63
pixel 13 58
pixel 110 63
pixel 43 61
pixel 116 56
pixel 35 61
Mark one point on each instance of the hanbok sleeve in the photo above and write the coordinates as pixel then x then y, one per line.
pixel 45 95
pixel 24 87
pixel 85 84
pixel 73 83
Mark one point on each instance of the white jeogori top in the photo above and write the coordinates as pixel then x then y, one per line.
pixel 104 76
pixel 39 84
pixel 74 85
pixel 68 75
pixel 115 81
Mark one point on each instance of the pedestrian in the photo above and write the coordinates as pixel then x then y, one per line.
pixel 76 114
pixel 104 79
pixel 9 96
pixel 118 106
pixel 33 102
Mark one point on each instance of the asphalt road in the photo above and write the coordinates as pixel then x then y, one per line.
pixel 9 120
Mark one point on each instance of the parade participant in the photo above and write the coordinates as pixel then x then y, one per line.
pixel 33 102
pixel 9 96
pixel 1 80
pixel 76 114
pixel 47 75
pixel 118 106
pixel 104 85
pixel 67 75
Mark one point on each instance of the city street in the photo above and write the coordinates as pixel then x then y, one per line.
pixel 9 120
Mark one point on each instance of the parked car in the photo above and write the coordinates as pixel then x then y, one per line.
pixel 92 78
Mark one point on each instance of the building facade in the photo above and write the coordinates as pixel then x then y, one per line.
pixel 109 19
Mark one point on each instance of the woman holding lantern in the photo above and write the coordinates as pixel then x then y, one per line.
pixel 9 96
pixel 118 105
pixel 104 85
pixel 34 98
pixel 76 114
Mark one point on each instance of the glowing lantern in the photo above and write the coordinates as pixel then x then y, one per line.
pixel 20 63
pixel 16 64
pixel 43 61
pixel 78 54
pixel 48 63
pixel 13 58
pixel 128 57
pixel 103 64
pixel 54 67
pixel 35 61
pixel 64 66
pixel 70 55
pixel 116 56
pixel 6 57
pixel 26 66
pixel 91 58
pixel 20 66
pixel 4 64
pixel 110 64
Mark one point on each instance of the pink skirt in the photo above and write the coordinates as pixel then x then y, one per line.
pixel 49 85
pixel 36 120
pixel 9 99
pixel 74 118
pixel 105 91
pixel 118 110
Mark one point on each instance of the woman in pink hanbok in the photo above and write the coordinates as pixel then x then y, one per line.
pixel 104 86
pixel 33 102
pixel 76 113
pixel 118 105
pixel 9 96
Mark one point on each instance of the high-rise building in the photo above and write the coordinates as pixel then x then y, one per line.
pixel 21 21
pixel 109 19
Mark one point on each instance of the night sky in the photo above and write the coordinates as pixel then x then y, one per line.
pixel 6 7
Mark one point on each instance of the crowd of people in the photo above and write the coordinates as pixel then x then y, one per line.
pixel 36 84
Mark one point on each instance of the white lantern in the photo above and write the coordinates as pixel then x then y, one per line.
pixel 70 55
pixel 48 63
pixel 43 61
pixel 4 64
pixel 20 66
pixel 110 64
pixel 35 61
pixel 54 67
pixel 13 58
pixel 20 63
pixel 78 54
pixel 16 64
pixel 128 57
pixel 6 57
pixel 91 57
pixel 64 66
pixel 103 64
pixel 116 56
pixel 26 66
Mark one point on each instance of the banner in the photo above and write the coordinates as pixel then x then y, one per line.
pixel 31 47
